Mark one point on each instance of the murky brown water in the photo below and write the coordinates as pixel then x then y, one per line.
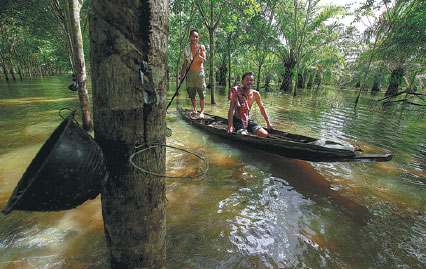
pixel 251 209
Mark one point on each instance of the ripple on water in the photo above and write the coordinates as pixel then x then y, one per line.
pixel 265 224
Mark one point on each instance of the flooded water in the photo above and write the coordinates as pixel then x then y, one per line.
pixel 252 209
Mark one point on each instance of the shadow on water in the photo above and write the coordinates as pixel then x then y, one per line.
pixel 302 177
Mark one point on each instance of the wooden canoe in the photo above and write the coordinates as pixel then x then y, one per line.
pixel 286 144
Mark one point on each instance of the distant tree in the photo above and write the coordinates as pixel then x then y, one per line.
pixel 181 22
pixel 261 35
pixel 304 31
pixel 212 11
pixel 400 38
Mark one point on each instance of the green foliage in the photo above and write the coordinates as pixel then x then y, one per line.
pixel 39 31
pixel 396 40
pixel 400 31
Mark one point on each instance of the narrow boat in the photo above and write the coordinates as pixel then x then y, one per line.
pixel 286 144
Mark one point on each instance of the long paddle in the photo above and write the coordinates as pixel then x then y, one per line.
pixel 181 82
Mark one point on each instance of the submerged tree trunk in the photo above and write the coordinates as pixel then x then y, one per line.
pixel 79 64
pixel 376 87
pixel 395 81
pixel 129 41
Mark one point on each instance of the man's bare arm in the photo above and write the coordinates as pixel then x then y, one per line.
pixel 262 109
pixel 230 117
pixel 203 54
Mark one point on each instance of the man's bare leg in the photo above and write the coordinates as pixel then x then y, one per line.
pixel 262 133
pixel 194 105
pixel 202 101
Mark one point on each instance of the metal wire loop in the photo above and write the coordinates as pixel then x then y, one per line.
pixel 73 112
pixel 154 145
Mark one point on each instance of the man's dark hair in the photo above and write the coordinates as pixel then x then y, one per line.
pixel 192 31
pixel 249 73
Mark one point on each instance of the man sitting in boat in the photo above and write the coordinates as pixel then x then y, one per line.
pixel 242 98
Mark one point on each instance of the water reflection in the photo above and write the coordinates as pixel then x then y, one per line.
pixel 252 209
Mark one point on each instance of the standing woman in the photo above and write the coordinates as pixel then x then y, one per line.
pixel 195 80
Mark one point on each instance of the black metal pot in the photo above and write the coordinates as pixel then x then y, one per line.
pixel 66 172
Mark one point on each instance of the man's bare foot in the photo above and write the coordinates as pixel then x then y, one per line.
pixel 193 113
pixel 202 115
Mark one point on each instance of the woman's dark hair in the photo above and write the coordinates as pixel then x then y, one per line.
pixel 249 73
pixel 192 31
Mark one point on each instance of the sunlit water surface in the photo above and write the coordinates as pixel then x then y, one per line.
pixel 251 209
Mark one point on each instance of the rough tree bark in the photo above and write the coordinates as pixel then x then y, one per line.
pixel 79 64
pixel 129 41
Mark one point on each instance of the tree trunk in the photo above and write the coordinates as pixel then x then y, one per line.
pixel 286 85
pixel 211 75
pixel 39 69
pixel 311 75
pixel 79 64
pixel 267 82
pixel 18 64
pixel 229 36
pixel 11 71
pixel 5 72
pixel 19 72
pixel 28 64
pixel 317 80
pixel 124 48
pixel 395 81
pixel 358 84
pixel 300 82
pixel 222 73
pixel 376 87
pixel 259 69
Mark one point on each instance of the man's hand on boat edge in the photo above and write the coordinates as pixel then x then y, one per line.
pixel 230 130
